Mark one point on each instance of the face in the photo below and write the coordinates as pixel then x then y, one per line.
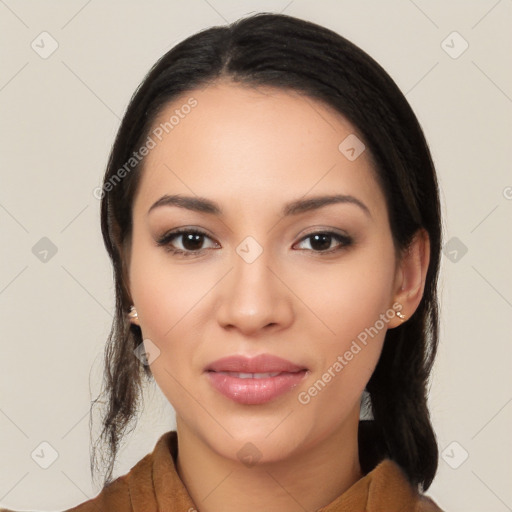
pixel 271 274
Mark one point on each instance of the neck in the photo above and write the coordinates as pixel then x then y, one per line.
pixel 308 480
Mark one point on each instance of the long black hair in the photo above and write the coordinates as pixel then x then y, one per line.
pixel 292 54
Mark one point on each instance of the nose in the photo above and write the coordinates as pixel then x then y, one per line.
pixel 254 297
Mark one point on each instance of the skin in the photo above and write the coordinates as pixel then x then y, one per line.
pixel 251 151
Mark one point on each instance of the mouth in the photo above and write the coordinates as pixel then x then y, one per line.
pixel 256 380
pixel 251 375
pixel 258 365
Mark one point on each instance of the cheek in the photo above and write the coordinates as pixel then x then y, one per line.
pixel 350 296
pixel 166 297
pixel 347 358
pixel 165 294
pixel 351 302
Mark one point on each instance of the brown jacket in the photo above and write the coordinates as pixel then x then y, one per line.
pixel 153 485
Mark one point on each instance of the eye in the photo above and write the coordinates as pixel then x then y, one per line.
pixel 192 241
pixel 321 242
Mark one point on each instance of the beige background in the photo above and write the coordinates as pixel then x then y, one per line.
pixel 59 117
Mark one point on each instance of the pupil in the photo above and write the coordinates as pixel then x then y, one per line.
pixel 325 241
pixel 193 241
pixel 190 239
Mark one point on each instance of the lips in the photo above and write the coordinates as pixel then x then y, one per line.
pixel 255 380
pixel 251 375
pixel 264 363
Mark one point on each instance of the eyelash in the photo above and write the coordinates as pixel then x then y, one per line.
pixel 166 239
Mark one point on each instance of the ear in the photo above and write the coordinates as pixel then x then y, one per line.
pixel 125 276
pixel 134 318
pixel 410 276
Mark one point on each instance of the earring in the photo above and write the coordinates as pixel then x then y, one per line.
pixel 399 314
pixel 133 313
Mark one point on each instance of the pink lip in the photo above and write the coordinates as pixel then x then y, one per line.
pixel 262 363
pixel 254 390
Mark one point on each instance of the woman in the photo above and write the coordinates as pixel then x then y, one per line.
pixel 271 210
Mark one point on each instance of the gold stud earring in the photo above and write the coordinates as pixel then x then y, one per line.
pixel 133 313
pixel 399 314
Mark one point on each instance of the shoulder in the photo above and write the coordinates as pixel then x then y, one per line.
pixel 115 496
pixel 390 486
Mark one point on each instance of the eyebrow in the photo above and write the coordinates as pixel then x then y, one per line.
pixel 203 205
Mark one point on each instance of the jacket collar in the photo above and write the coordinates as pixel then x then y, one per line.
pixel 155 480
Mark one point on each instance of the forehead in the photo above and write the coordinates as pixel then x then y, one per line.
pixel 258 143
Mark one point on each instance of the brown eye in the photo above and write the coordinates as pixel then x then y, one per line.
pixel 321 241
pixel 191 241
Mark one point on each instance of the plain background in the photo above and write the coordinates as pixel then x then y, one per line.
pixel 59 116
